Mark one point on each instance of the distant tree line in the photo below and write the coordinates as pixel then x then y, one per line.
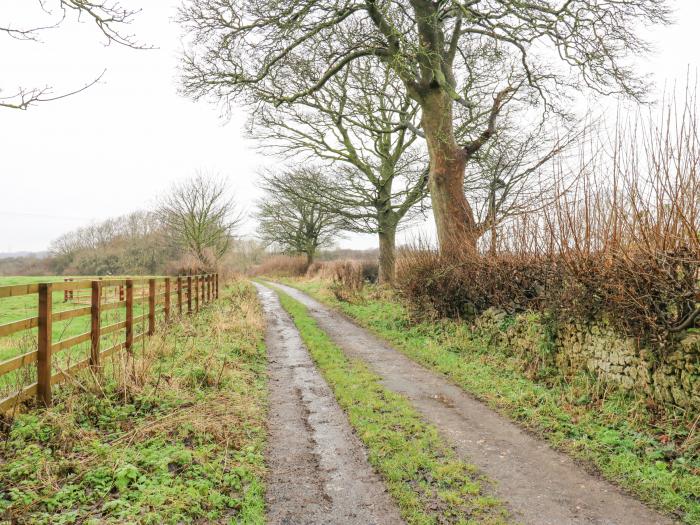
pixel 190 230
pixel 131 244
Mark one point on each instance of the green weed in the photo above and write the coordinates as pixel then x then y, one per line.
pixel 174 435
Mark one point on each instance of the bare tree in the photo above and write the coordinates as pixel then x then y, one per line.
pixel 378 170
pixel 453 57
pixel 519 173
pixel 293 221
pixel 199 217
pixel 110 18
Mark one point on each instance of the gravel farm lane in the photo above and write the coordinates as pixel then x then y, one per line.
pixel 540 485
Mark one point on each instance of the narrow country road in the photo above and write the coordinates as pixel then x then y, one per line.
pixel 540 485
pixel 318 469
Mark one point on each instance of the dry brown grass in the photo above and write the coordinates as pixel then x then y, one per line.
pixel 281 266
pixel 347 280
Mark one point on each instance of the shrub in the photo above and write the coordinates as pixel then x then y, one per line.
pixel 641 294
pixel 281 266
pixel 370 271
pixel 328 270
pixel 315 269
pixel 348 279
pixel 465 286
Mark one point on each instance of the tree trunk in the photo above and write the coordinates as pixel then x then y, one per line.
pixel 309 259
pixel 454 218
pixel 387 254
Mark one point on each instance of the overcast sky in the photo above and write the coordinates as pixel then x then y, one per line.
pixel 113 148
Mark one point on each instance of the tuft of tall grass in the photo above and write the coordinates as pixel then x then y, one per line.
pixel 281 266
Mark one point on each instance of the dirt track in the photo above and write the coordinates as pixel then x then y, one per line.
pixel 318 470
pixel 541 486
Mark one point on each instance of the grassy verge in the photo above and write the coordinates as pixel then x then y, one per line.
pixel 423 474
pixel 174 435
pixel 653 452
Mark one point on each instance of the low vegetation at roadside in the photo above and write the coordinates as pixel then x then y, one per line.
pixel 174 435
pixel 430 484
pixel 651 450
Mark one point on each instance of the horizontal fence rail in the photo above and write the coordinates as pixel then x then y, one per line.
pixel 156 294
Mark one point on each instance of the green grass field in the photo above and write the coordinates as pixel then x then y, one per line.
pixel 16 308
pixel 23 307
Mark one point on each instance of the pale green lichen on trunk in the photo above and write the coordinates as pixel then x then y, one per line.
pixel 454 218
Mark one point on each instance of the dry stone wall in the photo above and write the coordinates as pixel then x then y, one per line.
pixel 669 376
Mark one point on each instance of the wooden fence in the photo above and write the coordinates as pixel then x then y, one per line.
pixel 190 292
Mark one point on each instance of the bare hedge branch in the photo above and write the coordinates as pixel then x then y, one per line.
pixel 110 17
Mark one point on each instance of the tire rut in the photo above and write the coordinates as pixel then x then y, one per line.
pixel 540 485
pixel 318 471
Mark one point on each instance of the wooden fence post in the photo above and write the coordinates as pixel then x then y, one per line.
pixel 216 277
pixel 151 306
pixel 203 290
pixel 209 288
pixel 179 295
pixel 45 344
pixel 196 293
pixel 189 294
pixel 166 306
pixel 129 344
pixel 96 324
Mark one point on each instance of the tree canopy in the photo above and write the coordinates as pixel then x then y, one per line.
pixel 462 61
pixel 293 220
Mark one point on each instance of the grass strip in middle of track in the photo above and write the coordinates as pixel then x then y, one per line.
pixel 429 482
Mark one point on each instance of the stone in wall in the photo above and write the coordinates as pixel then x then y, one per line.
pixel 671 376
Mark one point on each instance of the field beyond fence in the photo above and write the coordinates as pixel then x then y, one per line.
pixel 112 311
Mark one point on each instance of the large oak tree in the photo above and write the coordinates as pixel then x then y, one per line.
pixel 453 56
